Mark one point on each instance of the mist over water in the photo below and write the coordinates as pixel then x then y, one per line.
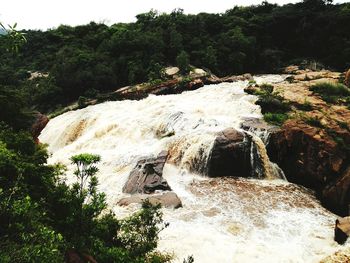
pixel 222 219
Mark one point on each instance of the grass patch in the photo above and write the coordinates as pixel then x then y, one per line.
pixel 275 118
pixel 343 125
pixel 331 92
pixel 340 141
pixel 252 82
pixel 314 121
pixel 305 106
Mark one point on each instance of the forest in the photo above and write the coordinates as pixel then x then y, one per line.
pixel 95 58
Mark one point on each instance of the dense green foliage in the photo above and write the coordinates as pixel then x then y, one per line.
pixel 85 60
pixel 42 219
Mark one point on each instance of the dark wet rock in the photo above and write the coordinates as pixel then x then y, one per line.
pixel 146 177
pixel 342 229
pixel 168 199
pixel 337 194
pixel 230 155
pixel 39 124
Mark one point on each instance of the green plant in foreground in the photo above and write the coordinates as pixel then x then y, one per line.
pixel 86 167
pixel 14 39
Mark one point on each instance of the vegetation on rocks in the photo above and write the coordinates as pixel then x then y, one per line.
pixel 332 92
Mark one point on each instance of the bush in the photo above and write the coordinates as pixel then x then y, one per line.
pixel 183 62
pixel 82 102
pixel 267 88
pixel 275 118
pixel 306 106
pixel 314 121
pixel 330 92
pixel 273 103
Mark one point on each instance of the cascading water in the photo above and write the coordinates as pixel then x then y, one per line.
pixel 222 219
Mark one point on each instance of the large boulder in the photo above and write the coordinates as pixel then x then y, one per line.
pixel 168 200
pixel 39 124
pixel 342 229
pixel 338 193
pixel 146 177
pixel 230 155
pixel 314 161
pixel 171 71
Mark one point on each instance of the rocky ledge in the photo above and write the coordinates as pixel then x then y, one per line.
pixel 313 145
pixel 146 182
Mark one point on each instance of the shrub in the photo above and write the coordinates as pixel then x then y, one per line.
pixel 330 92
pixel 82 101
pixel 273 103
pixel 275 118
pixel 267 88
pixel 183 62
pixel 305 106
pixel 314 121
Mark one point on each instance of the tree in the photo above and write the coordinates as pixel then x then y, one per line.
pixel 86 168
pixel 183 62
pixel 14 38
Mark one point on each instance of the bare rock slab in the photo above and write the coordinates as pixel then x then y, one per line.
pixel 168 200
pixel 147 176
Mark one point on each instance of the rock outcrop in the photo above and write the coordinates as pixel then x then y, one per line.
pixel 312 147
pixel 314 161
pixel 230 155
pixel 171 71
pixel 39 124
pixel 342 229
pixel 347 78
pixel 167 199
pixel 146 177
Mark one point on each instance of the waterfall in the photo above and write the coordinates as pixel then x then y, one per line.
pixel 222 219
pixel 260 162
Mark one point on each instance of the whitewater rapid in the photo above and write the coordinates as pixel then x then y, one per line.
pixel 222 219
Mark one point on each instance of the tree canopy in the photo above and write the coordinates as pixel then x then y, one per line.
pixel 92 58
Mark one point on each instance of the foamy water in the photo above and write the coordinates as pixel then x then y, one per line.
pixel 222 220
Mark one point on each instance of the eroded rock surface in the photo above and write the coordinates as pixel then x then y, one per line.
pixel 146 177
pixel 230 155
pixel 312 147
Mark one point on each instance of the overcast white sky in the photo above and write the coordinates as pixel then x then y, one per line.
pixel 43 14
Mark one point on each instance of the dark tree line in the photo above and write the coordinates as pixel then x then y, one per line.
pixel 84 60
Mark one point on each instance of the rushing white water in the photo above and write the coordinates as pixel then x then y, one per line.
pixel 222 220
